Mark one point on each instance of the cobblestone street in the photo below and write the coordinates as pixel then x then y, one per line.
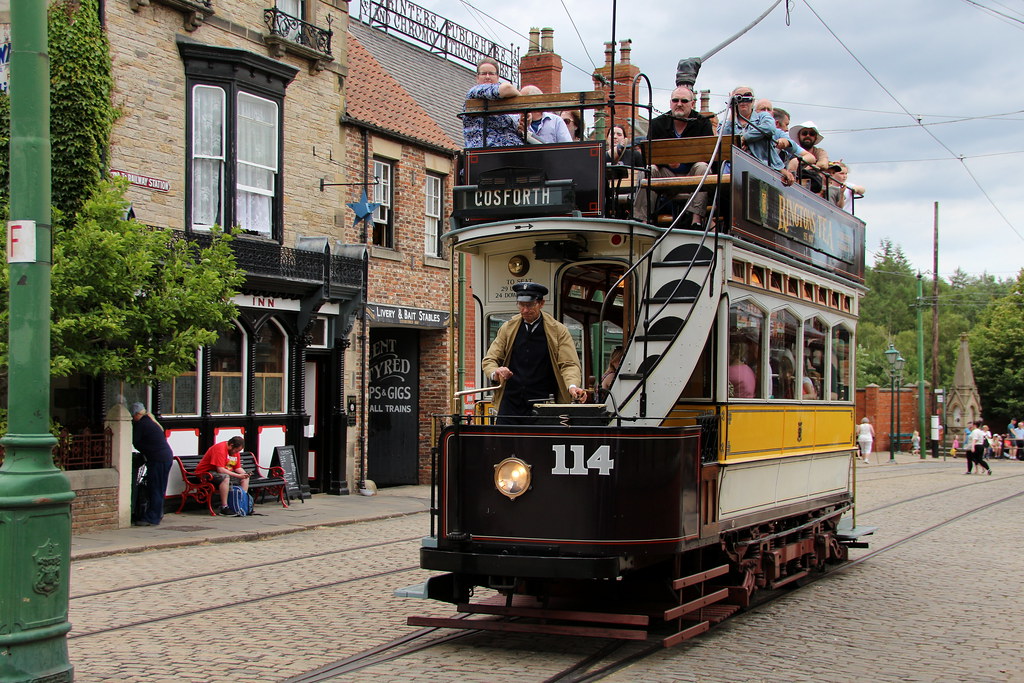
pixel 940 607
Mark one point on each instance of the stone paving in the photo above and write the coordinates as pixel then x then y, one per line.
pixel 941 607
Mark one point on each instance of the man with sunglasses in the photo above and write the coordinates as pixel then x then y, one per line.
pixel 681 121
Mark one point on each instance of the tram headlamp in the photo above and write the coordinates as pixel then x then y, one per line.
pixel 512 477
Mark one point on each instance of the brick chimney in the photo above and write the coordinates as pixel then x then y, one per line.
pixel 625 72
pixel 540 66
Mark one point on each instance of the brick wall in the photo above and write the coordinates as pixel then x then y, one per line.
pixel 94 510
pixel 404 275
pixel 873 402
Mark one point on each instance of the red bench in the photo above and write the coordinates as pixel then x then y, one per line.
pixel 200 488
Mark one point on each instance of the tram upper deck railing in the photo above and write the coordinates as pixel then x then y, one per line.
pixel 501 183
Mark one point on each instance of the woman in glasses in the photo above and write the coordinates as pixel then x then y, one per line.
pixel 573 123
pixel 496 130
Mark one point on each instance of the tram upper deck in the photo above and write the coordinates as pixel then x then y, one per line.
pixel 778 263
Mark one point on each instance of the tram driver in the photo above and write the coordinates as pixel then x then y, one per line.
pixel 532 358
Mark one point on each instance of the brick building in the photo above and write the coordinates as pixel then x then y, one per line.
pixel 277 120
pixel 230 117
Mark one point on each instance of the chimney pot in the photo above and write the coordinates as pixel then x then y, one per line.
pixel 609 53
pixel 534 41
pixel 625 46
pixel 547 40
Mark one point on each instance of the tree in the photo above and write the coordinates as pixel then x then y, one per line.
pixel 892 291
pixel 997 355
pixel 128 301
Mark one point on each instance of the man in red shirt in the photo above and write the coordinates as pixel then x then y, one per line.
pixel 223 463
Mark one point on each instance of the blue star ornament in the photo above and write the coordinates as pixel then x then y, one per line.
pixel 364 209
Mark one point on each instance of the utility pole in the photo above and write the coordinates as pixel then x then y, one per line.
pixel 922 424
pixel 935 323
pixel 35 496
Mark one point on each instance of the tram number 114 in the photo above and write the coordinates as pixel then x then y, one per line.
pixel 601 460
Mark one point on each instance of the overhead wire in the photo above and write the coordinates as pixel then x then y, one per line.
pixel 576 28
pixel 996 13
pixel 960 157
pixel 912 161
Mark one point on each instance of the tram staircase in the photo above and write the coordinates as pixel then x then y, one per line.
pixel 678 305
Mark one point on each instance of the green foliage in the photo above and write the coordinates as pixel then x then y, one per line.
pixel 997 356
pixel 133 302
pixel 81 113
pixel 892 285
pixel 128 301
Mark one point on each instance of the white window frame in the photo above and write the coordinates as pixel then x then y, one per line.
pixel 269 165
pixel 218 157
pixel 383 195
pixel 433 190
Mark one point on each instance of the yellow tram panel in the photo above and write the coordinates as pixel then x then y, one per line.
pixel 754 432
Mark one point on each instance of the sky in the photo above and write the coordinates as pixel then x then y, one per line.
pixel 925 102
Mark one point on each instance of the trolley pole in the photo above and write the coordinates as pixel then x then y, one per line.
pixel 35 496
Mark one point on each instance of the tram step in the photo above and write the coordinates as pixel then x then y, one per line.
pixel 560 614
pixel 700 577
pixel 686 634
pixel 694 605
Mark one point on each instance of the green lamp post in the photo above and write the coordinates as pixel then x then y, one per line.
pixel 35 496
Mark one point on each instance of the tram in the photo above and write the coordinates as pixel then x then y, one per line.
pixel 719 460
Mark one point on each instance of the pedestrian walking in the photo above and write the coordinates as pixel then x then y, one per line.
pixel 975 449
pixel 865 438
pixel 149 439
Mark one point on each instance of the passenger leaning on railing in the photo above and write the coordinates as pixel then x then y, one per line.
pixel 494 130
pixel 809 175
pixel 841 193
pixel 757 130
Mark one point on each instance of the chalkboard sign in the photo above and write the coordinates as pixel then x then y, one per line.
pixel 284 457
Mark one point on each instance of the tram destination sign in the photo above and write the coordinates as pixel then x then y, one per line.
pixel 502 200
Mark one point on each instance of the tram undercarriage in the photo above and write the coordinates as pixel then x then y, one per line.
pixel 672 597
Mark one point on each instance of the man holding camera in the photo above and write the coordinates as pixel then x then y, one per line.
pixel 681 121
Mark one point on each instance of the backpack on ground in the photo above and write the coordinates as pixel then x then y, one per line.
pixel 240 502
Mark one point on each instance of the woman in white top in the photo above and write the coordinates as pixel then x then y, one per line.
pixel 865 437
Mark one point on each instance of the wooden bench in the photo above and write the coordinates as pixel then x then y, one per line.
pixel 200 487
pixel 675 151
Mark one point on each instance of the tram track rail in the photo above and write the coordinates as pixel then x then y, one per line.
pixel 235 569
pixel 584 669
pixel 247 600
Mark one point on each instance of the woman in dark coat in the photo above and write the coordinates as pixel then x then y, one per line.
pixel 149 440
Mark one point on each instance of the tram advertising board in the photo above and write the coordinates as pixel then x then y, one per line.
pixel 795 222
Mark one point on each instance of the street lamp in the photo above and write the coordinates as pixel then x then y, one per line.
pixel 895 369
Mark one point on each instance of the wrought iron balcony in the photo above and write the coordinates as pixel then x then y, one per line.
pixel 290 34
pixel 291 269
